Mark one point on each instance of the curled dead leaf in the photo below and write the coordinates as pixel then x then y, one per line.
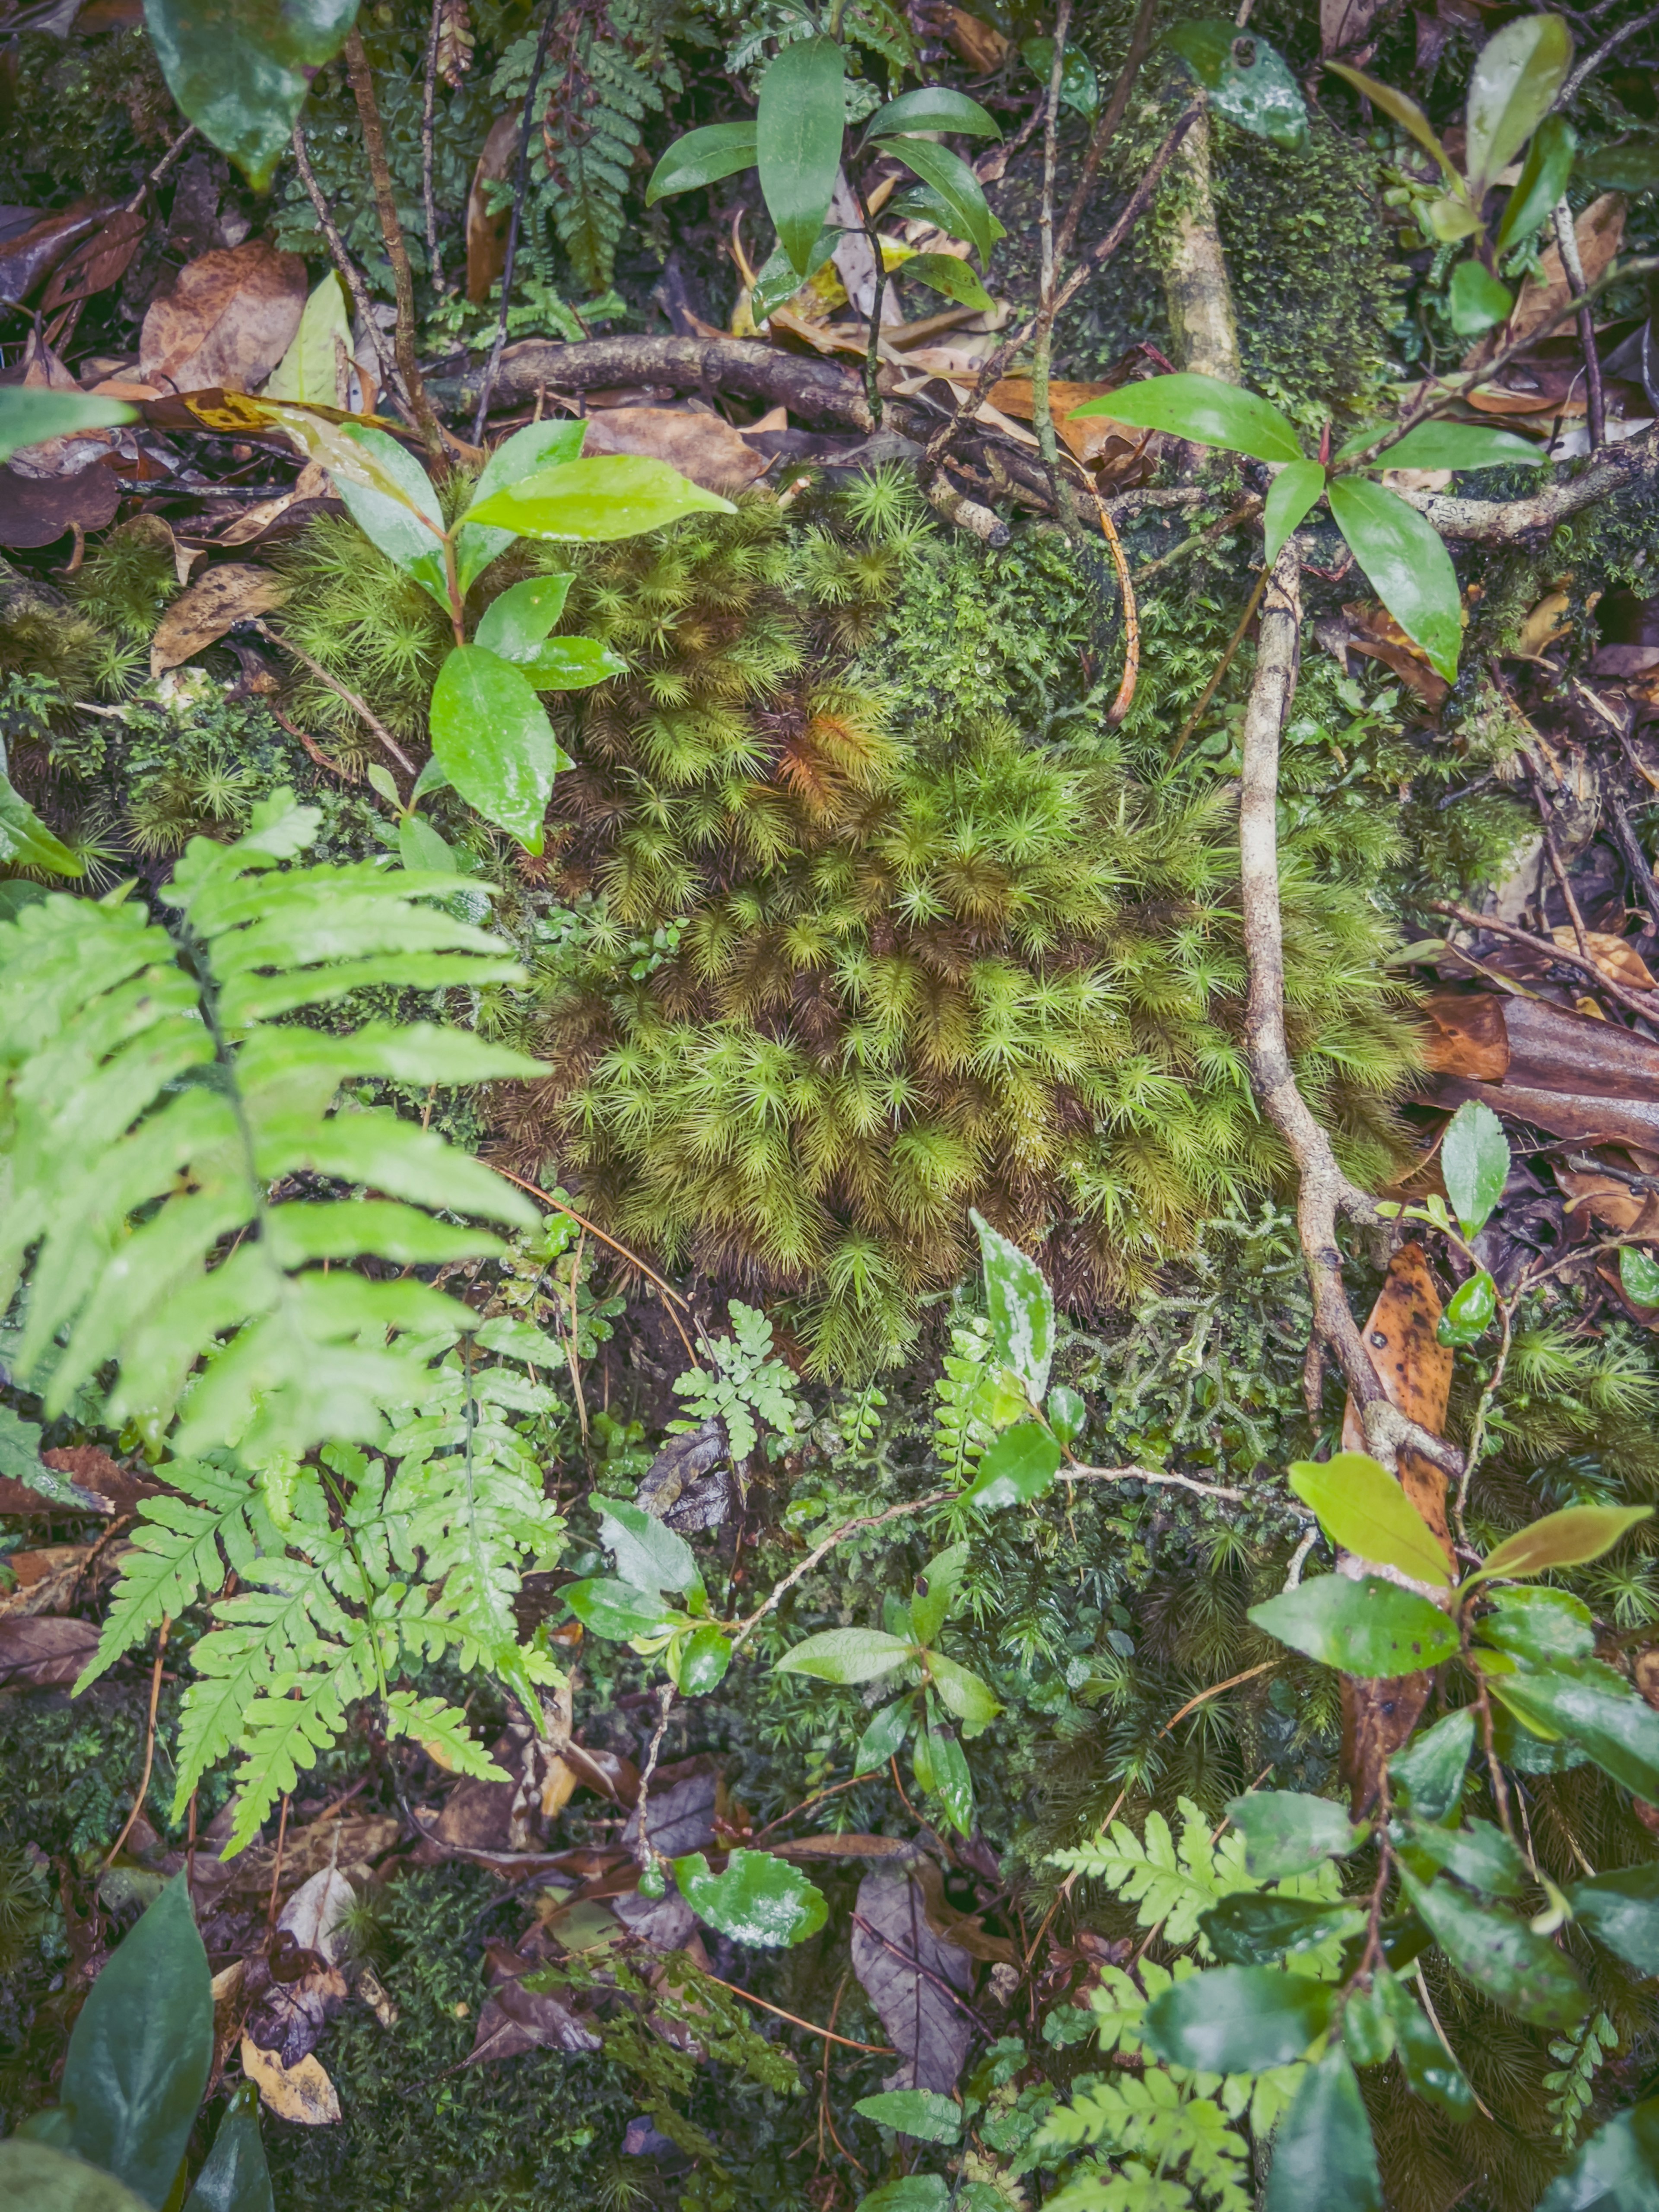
pixel 234 592
pixel 38 1652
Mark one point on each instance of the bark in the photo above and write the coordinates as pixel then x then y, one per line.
pixel 1203 326
pixel 820 392
pixel 1624 467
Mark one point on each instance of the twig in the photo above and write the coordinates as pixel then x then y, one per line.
pixel 875 2050
pixel 1239 515
pixel 1636 860
pixel 386 205
pixel 311 745
pixel 1043 416
pixel 1593 61
pixel 825 2120
pixel 360 707
pixel 1445 2044
pixel 806 1804
pixel 162 167
pixel 822 1551
pixel 150 1742
pixel 1299 1558
pixel 277 1868
pixel 1221 668
pixel 1643 1003
pixel 558 1205
pixel 1566 245
pixel 1214 1691
pixel 643 1849
pixel 520 180
pixel 1140 45
pixel 1149 1474
pixel 1324 1191
pixel 349 274
pixel 428 118
pixel 1125 690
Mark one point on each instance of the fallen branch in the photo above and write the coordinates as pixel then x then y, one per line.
pixel 1642 1003
pixel 821 394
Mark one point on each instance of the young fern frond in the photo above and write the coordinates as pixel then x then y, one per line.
pixel 156 1091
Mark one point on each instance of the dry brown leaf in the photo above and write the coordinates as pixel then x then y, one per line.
pixel 486 233
pixel 1598 229
pixel 607 1771
pixel 34 1567
pixel 37 510
pixel 31 252
pixel 703 447
pixel 1372 631
pixel 295 1985
pixel 915 1981
pixel 106 1478
pixel 1466 1034
pixel 1542 627
pixel 851 1845
pixel 1415 1370
pixel 37 1653
pixel 1613 1203
pixel 98 261
pixel 513 2019
pixel 302 2093
pixel 1096 440
pixel 1616 956
pixel 974 41
pixel 214 604
pixel 313 483
pixel 228 321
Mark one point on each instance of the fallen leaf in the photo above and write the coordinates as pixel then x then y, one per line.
pixel 1543 625
pixel 704 447
pixel 1372 631
pixel 32 1567
pixel 974 41
pixel 908 1972
pixel 302 2093
pixel 1097 441
pixel 966 1931
pixel 662 1923
pixel 1616 956
pixel 1466 1034
pixel 30 253
pixel 684 1801
pixel 289 2009
pixel 607 1771
pixel 1415 1370
pixel 373 1991
pixel 1598 228
pixel 514 2019
pixel 215 602
pixel 476 1815
pixel 98 261
pixel 253 522
pixel 37 1652
pixel 486 233
pixel 851 1845
pixel 228 319
pixel 37 510
pixel 1611 1202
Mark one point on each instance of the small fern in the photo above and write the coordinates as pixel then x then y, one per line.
pixel 751 1391
pixel 1577 2056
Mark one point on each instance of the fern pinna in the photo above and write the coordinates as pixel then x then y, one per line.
pixel 168 1135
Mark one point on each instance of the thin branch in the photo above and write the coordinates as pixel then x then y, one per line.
pixel 1042 417
pixel 386 205
pixel 1593 61
pixel 360 707
pixel 1642 1003
pixel 428 120
pixel 558 1205
pixel 149 1743
pixel 349 274
pixel 1140 45
pixel 1149 1474
pixel 520 182
pixel 1566 245
pixel 1214 1691
pixel 643 1850
pixel 877 2049
pixel 1221 668
pixel 1126 690
pixel 822 1551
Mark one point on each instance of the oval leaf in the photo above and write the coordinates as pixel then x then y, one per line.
pixel 234 2177
pixel 1369 1628
pixel 1324 2159
pixel 933 107
pixel 1615 2168
pixel 1460 446
pixel 950 274
pixel 1431 1769
pixel 1566 1539
pixel 1405 111
pixel 884 1737
pixel 1252 1931
pixel 1408 566
pixel 1471 1311
pixel 1020 1306
pixel 1542 180
pixel 240 69
pixel 538 445
pixel 1237 2020
pixel 516 622
pixel 1290 495
pixel 1478 299
pixel 1474 1160
pixel 1586 1705
pixel 704 1661
pixel 1621 1910
pixel 491 734
pixel 619 1610
pixel 573 664
pixel 596 499
pixel 1248 81
pixel 37 2177
pixel 1020 1465
pixel 1523 1973
pixel 1361 1507
pixel 1512 88
pixel 646 1552
pixel 1637 1271
pixel 972 1700
pixel 755 1900
pixel 1079 88
pixel 1288 1832
pixel 1202 408
pixel 847 1654
pixel 922 2113
pixel 703 157
pixel 798 126
pixel 957 186
pixel 1538 1625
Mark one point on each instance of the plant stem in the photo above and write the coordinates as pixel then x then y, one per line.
pixel 358 706
pixel 429 117
pixel 402 277
pixel 520 180
pixel 822 1551
pixel 150 1742
pixel 1042 419
pixel 349 274
pixel 1566 244
pixel 872 343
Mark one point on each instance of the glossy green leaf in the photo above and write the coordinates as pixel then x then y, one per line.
pixel 646 1552
pixel 884 1737
pixel 1248 81
pixel 1616 2171
pixel 1470 1310
pixel 599 498
pixel 1237 2020
pixel 1404 110
pixel 1523 1973
pixel 1538 1625
pixel 936 1589
pixel 1368 2035
pixel 923 2114
pixel 1292 492
pixel 778 279
pixel 799 125
pixel 1429 2069
pixel 1621 1910
pixel 1067 1413
pixel 1638 1272
pixel 755 1899
pixel 1580 1702
pixel 516 622
pixel 968 1696
pixel 1543 180
pixel 847 1654
pixel 38 2177
pixel 234 2177
pixel 919 202
pixel 1432 1767
pixel 140 2052
pixel 1474 1160
pixel 25 839
pixel 1324 2159
pixel 492 734
pixel 950 176
pixel 1020 1465
pixel 1243 1930
pixel 1568 1539
pixel 1512 88
pixel 29 415
pixel 1369 1627
pixel 1361 1508
pixel 420 846
pixel 1079 88
pixel 933 107
pixel 703 157
pixel 240 69
pixel 388 510
pixel 573 664
pixel 1407 564
pixel 1480 1855
pixel 1478 299
pixel 950 1779
pixel 1020 1305
pixel 309 371
pixel 950 274
pixel 618 1610
pixel 1630 165
pixel 1203 410
pixel 538 445
pixel 1287 1832
pixel 1459 446
pixel 703 1662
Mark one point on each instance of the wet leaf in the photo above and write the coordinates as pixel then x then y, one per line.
pixel 618 1610
pixel 1288 1832
pixel 1079 88
pixel 1523 1973
pixel 1542 180
pixel 1361 1508
pixel 948 1776
pixel 30 415
pixel 950 274
pixel 922 2114
pixel 703 1662
pixel 703 157
pixel 1252 1931
pixel 303 2093
pixel 1404 110
pixel 228 319
pixel 847 1654
pixel 1480 1855
pixel 647 1553
pixel 914 1978
pixel 25 839
pixel 1020 1306
pixel 933 107
pixel 1429 2067
pixel 234 2177
pixel 1018 1467
pixel 1291 494
pixel 491 735
pixel 240 69
pixel 573 664
pixel 1567 1538
pixel 233 592
pixel 1237 2020
pixel 1621 1910
pixel 1323 2158
pixel 972 1700
pixel 957 186
pixel 1581 1703
pixel 1202 408
pixel 1638 1274
pixel 1538 1625
pixel 799 120
pixel 1477 301
pixel 596 499
pixel 538 445
pixel 885 1736
pixel 755 1899
pixel 1369 1627
pixel 1512 88
pixel 1407 564
pixel 1431 1769
pixel 1248 81
pixel 1471 1312
pixel 1616 2171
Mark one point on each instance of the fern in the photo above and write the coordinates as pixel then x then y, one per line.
pixel 1578 2055
pixel 153 1095
pixel 961 1429
pixel 751 1391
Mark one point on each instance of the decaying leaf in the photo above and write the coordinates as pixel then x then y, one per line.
pixel 686 1800
pixel 1415 1369
pixel 486 231
pixel 37 1652
pixel 1598 229
pixel 908 1973
pixel 228 319
pixel 704 447
pixel 1117 453
pixel 1591 1082
pixel 1616 956
pixel 98 261
pixel 217 602
pixel 295 1985
pixel 302 2093
pixel 40 510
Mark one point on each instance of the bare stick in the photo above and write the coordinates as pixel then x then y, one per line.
pixel 1140 45
pixel 1125 690
pixel 1150 1474
pixel 1221 667
pixel 643 1850
pixel 1043 419
pixel 880 2050
pixel 822 1551
pixel 1644 1003
pixel 520 180
pixel 1566 245
pixel 385 204
pixel 428 118
pixel 350 273
pixel 1324 1194
pixel 1593 61
pixel 150 1742
pixel 358 706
